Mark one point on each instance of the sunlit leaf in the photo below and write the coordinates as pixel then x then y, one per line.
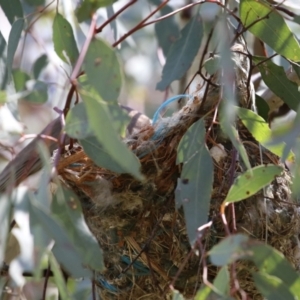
pixel 12 9
pixel 63 39
pixel 196 179
pixel 103 71
pixel 182 53
pixel 272 262
pixel 250 182
pixel 39 65
pixel 88 7
pixel 260 130
pixel 13 41
pixel 275 78
pixel 272 287
pixel 271 29
pixel 100 123
pixel 66 206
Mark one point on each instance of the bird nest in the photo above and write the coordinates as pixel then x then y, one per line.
pixel 141 232
pixel 143 235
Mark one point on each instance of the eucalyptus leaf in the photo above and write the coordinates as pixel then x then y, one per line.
pixel 182 53
pixel 272 287
pixel 270 261
pixel 13 41
pixel 275 78
pixel 77 124
pixel 3 97
pixel 59 278
pixel 233 135
pixel 101 125
pixel 12 9
pixel 64 250
pixel 35 2
pixel 103 70
pixel 39 65
pixel 94 150
pixel 167 31
pixel 250 182
pixel 228 250
pixel 176 295
pixel 64 41
pixel 67 208
pixel 20 78
pixel 262 107
pixel 88 7
pixel 271 29
pixel 260 130
pixel 196 179
pixel 38 94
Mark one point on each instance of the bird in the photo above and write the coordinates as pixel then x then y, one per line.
pixel 28 160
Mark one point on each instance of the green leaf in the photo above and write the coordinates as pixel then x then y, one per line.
pixel 3 96
pixel 233 135
pixel 228 250
pixel 167 31
pixel 64 249
pixel 39 93
pixel 177 296
pixel 39 65
pixel 12 9
pixel 35 2
pixel 182 53
pixel 262 107
pixel 77 123
pixel 64 41
pixel 276 80
pixel 66 206
pixel 272 262
pixel 222 281
pixel 212 64
pixel 272 29
pixel 196 179
pixel 103 70
pixel 260 130
pixel 88 7
pixel 250 182
pixel 272 287
pixel 94 150
pixel 13 41
pixel 58 278
pixel 20 78
pixel 102 128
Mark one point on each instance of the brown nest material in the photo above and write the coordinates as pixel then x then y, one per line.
pixel 143 235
